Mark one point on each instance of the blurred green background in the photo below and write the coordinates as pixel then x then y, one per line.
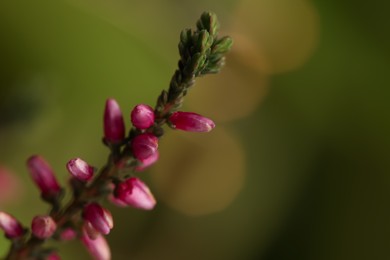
pixel 298 166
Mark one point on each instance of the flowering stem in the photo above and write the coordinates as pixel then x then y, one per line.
pixel 66 215
pixel 201 53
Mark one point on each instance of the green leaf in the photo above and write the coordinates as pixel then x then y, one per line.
pixel 208 21
pixel 204 42
pixel 222 45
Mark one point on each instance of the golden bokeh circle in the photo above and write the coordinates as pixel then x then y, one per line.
pixel 275 36
pixel 199 174
pixel 232 94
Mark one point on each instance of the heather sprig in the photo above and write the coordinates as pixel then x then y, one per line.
pixel 201 52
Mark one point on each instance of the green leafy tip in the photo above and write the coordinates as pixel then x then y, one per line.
pixel 201 52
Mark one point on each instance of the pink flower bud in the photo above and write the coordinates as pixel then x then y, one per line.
pixel 99 217
pixel 68 234
pixel 80 169
pixel 97 247
pixel 43 176
pixel 114 127
pixel 147 162
pixel 43 226
pixel 142 116
pixel 144 146
pixel 11 227
pixel 135 193
pixel 191 122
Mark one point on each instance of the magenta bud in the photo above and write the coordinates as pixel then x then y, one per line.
pixel 68 234
pixel 11 227
pixel 191 122
pixel 147 162
pixel 144 146
pixel 135 193
pixel 43 176
pixel 97 247
pixel 43 226
pixel 114 126
pixel 80 169
pixel 99 217
pixel 142 116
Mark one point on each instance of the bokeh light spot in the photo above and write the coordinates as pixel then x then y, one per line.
pixel 199 174
pixel 232 94
pixel 275 36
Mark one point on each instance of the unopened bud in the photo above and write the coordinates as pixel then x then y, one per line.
pixel 43 176
pixel 99 217
pixel 114 127
pixel 191 122
pixel 97 247
pixel 80 169
pixel 11 227
pixel 144 146
pixel 43 226
pixel 142 116
pixel 135 193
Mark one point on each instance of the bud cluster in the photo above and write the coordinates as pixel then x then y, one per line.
pixel 84 217
pixel 97 221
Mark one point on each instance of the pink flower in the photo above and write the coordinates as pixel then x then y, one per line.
pixel 144 146
pixel 80 169
pixel 68 234
pixel 11 227
pixel 97 247
pixel 114 127
pixel 43 176
pixel 99 217
pixel 142 116
pixel 43 226
pixel 147 162
pixel 135 193
pixel 191 122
